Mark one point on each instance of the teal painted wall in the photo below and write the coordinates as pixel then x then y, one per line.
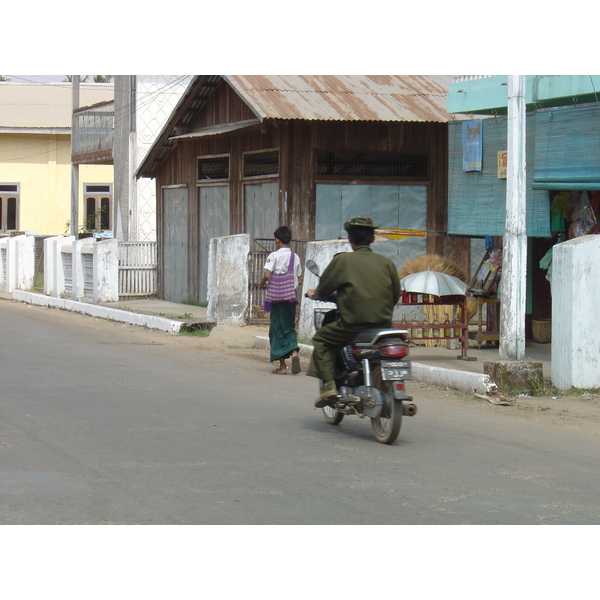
pixel 489 95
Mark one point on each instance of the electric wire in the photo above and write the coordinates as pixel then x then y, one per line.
pixel 167 89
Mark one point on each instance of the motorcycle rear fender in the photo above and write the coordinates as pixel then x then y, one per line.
pixel 399 394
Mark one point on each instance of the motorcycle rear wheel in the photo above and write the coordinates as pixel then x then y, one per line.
pixel 386 426
pixel 332 415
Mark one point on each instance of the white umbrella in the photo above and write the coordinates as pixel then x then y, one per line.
pixel 434 283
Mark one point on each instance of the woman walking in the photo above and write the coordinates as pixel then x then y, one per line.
pixel 283 274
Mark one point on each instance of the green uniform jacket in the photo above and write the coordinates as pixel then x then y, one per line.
pixel 367 287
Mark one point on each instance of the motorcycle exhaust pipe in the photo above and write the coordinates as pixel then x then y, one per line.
pixel 409 410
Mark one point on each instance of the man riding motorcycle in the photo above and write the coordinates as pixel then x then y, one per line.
pixel 367 289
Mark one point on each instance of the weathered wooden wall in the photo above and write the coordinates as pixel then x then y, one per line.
pixel 297 142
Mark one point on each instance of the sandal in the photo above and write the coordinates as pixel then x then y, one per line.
pixel 296 364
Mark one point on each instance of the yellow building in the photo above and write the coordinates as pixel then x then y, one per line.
pixel 35 160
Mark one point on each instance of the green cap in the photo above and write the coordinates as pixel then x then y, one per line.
pixel 360 222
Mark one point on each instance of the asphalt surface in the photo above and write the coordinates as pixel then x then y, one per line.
pixel 102 423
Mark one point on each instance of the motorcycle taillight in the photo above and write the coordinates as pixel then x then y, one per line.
pixel 394 351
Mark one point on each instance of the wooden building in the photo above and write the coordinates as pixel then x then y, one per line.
pixel 245 154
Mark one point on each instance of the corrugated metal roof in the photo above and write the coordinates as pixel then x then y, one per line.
pixel 218 129
pixel 419 98
pixel 46 105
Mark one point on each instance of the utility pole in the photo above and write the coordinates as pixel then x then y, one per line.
pixel 514 258
pixel 74 167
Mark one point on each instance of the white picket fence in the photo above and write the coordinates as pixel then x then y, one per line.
pixel 137 269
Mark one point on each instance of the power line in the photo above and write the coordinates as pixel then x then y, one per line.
pixel 169 88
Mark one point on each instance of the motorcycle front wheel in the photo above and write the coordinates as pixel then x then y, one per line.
pixel 332 415
pixel 386 426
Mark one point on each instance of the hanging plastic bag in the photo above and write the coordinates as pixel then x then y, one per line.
pixel 583 220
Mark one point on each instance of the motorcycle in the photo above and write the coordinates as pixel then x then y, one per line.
pixel 369 375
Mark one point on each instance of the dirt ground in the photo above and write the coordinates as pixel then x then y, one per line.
pixel 574 412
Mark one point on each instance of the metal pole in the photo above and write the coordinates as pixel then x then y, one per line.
pixel 514 259
pixel 74 167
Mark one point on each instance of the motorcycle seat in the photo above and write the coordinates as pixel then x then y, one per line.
pixel 366 336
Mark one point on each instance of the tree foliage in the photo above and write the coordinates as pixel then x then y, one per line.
pixel 97 78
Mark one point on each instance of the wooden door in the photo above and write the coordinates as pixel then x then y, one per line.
pixel 261 205
pixel 214 222
pixel 175 244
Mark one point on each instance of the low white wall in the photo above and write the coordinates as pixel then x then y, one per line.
pixel 575 315
pixel 228 279
pixel 105 278
pixel 321 253
pixel 17 270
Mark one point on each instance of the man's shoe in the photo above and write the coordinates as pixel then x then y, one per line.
pixel 328 395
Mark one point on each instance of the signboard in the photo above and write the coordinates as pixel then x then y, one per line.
pixel 472 145
pixel 502 164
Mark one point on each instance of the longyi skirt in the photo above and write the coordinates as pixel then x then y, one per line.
pixel 282 334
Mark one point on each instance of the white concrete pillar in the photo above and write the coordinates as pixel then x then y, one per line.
pixel 18 262
pixel 25 261
pixel 321 253
pixel 52 263
pixel 514 256
pixel 227 279
pixel 106 271
pixel 575 315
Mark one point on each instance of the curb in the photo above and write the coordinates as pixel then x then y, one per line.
pixel 462 381
pixel 102 312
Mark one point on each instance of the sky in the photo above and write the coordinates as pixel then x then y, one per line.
pixel 35 78
pixel 315 36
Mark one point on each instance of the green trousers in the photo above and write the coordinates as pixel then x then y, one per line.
pixel 326 342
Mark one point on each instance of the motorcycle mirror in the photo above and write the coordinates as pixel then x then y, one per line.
pixel 312 266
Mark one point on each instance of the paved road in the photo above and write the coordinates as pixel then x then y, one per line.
pixel 101 423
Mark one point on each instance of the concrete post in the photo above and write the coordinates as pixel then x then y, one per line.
pixel 18 262
pixel 53 262
pixel 575 315
pixel 106 271
pixel 227 279
pixel 24 246
pixel 321 253
pixel 514 258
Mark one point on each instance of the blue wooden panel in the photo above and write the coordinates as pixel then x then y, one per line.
pixel 393 206
pixel 328 213
pixel 567 149
pixel 385 205
pixel 356 200
pixel 477 199
pixel 413 203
